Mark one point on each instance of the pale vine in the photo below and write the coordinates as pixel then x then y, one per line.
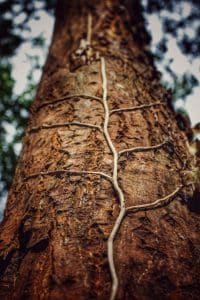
pixel 57 125
pixel 134 108
pixel 116 154
pixel 65 98
pixel 114 179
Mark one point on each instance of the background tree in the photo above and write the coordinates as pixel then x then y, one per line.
pixel 113 156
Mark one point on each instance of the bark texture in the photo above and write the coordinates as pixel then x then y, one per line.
pixel 64 203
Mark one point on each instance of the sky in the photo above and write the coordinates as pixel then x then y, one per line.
pixel 180 65
pixel 21 63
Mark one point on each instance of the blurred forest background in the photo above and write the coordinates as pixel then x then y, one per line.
pixel 25 33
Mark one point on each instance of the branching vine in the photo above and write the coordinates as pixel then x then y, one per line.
pixel 118 190
pixel 114 179
pixel 116 154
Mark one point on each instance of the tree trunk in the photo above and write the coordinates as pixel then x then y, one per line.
pixel 95 209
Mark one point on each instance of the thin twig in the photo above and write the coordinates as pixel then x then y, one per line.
pixel 64 98
pixel 89 29
pixel 156 204
pixel 51 126
pixel 89 36
pixel 70 172
pixel 135 107
pixel 141 149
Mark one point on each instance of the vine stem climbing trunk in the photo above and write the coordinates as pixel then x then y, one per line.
pixel 118 190
pixel 95 210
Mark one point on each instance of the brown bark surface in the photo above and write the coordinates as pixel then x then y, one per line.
pixel 61 209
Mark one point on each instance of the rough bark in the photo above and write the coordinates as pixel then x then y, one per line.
pixel 64 201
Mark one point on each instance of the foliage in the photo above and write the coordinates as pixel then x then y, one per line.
pixel 14 114
pixel 14 31
pixel 11 29
pixel 183 86
pixel 180 20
